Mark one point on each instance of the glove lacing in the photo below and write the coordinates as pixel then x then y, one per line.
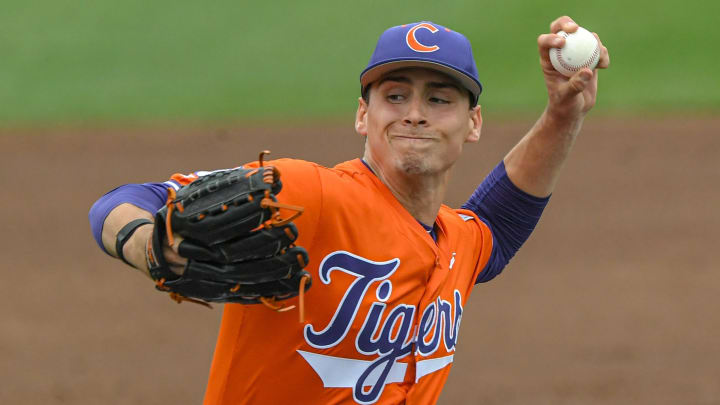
pixel 270 175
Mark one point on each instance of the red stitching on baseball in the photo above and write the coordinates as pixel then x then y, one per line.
pixel 574 68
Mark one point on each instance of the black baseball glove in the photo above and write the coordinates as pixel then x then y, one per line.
pixel 239 248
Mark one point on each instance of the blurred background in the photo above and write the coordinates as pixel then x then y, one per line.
pixel 609 302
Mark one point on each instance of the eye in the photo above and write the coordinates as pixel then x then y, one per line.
pixel 395 98
pixel 437 100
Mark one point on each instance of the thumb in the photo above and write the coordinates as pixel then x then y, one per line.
pixel 176 242
pixel 579 81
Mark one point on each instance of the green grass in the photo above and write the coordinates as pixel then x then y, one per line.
pixel 140 62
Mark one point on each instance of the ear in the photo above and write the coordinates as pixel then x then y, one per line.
pixel 474 125
pixel 361 117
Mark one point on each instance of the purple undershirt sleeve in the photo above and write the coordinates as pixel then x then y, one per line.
pixel 147 196
pixel 510 213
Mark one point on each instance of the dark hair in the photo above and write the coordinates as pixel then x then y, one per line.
pixel 365 94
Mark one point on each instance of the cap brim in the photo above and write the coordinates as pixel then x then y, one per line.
pixel 376 72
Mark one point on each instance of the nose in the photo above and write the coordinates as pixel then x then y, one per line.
pixel 415 114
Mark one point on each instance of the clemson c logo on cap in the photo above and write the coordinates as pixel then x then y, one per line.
pixel 414 44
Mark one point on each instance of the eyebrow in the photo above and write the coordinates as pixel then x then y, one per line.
pixel 399 79
pixel 444 85
pixel 432 85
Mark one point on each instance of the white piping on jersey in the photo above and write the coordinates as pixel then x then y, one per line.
pixel 339 372
pixel 465 217
pixel 173 184
pixel 425 367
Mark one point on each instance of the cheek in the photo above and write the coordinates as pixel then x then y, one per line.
pixel 456 136
pixel 460 130
pixel 379 119
pixel 376 129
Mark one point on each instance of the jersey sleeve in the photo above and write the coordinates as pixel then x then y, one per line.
pixel 476 237
pixel 510 213
pixel 147 196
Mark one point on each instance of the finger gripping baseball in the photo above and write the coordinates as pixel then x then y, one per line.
pixel 238 239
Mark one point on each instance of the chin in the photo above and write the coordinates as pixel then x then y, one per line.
pixel 415 164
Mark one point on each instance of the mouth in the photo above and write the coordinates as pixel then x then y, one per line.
pixel 410 137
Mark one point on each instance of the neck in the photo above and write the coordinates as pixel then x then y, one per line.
pixel 421 194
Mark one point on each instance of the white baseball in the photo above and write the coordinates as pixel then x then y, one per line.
pixel 581 50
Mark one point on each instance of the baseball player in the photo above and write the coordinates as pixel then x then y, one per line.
pixel 381 268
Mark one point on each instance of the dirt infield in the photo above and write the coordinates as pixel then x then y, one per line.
pixel 610 301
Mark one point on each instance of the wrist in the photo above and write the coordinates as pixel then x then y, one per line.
pixel 134 249
pixel 561 121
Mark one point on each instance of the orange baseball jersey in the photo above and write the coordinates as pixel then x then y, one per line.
pixel 384 311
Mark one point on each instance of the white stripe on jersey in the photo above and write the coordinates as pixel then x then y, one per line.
pixel 205 173
pixel 465 217
pixel 173 184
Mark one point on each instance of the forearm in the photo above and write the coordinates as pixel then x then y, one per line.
pixel 134 248
pixel 119 207
pixel 534 164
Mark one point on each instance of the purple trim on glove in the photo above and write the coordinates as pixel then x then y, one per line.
pixel 510 213
pixel 148 196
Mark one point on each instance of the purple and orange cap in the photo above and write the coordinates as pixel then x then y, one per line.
pixel 424 44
